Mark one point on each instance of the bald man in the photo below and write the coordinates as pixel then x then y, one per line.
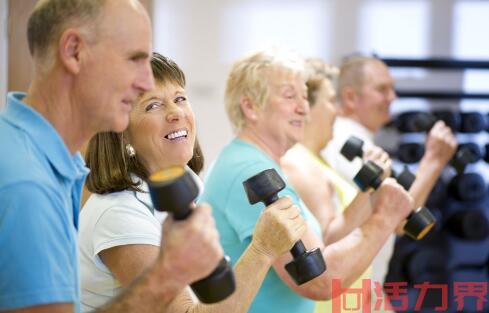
pixel 91 60
pixel 365 93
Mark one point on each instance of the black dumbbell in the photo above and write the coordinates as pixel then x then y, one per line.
pixel 424 122
pixel 410 152
pixel 307 264
pixel 486 153
pixel 473 122
pixel 173 190
pixel 419 222
pixel 469 224
pixel 451 119
pixel 405 122
pixel 427 265
pixel 467 187
pixel 472 152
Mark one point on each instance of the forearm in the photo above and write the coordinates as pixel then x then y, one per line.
pixel 354 215
pixel 250 271
pixel 349 257
pixel 152 292
pixel 428 172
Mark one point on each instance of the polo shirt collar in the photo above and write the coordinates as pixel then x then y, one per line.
pixel 44 136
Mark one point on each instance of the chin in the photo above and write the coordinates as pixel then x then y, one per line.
pixel 118 126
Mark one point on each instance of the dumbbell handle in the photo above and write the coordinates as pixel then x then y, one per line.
pixel 182 214
pixel 298 249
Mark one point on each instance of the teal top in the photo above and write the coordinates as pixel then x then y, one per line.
pixel 236 218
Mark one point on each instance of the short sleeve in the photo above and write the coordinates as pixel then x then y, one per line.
pixel 39 254
pixel 123 225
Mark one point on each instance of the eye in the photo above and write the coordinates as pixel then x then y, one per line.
pixel 289 95
pixel 152 106
pixel 180 99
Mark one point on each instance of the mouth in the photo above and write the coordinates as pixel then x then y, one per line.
pixel 297 123
pixel 128 104
pixel 177 134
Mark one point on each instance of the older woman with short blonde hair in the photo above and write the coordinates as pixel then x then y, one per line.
pixel 266 101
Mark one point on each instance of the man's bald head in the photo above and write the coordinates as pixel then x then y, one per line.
pixel 354 71
pixel 366 91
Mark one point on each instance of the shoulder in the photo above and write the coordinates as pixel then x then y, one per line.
pixel 98 205
pixel 20 160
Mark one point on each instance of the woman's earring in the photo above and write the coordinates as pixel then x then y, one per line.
pixel 130 150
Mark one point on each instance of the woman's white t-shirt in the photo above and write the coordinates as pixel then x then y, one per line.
pixel 107 221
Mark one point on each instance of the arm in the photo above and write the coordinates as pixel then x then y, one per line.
pixel 311 181
pixel 354 215
pixel 313 186
pixel 277 229
pixel 194 240
pixel 349 257
pixel 440 147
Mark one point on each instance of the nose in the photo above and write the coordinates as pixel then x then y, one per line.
pixel 145 80
pixel 174 113
pixel 303 106
pixel 392 95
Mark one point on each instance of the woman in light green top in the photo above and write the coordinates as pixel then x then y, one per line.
pixel 337 205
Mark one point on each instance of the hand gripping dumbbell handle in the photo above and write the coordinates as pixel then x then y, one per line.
pixel 298 249
pixel 175 197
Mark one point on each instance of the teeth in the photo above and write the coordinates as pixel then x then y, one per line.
pixel 177 134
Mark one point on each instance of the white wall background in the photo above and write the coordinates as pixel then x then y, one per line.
pixel 3 51
pixel 205 37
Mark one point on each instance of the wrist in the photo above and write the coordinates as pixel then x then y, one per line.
pixel 383 221
pixel 165 282
pixel 431 163
pixel 260 253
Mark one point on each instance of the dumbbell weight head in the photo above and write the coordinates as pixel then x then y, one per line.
pixel 369 176
pixel 306 265
pixel 352 148
pixel 427 265
pixel 451 119
pixel 474 151
pixel 486 154
pixel 421 221
pixel 469 224
pixel 410 152
pixel 423 122
pixel 173 190
pixel 467 187
pixel 465 154
pixel 473 122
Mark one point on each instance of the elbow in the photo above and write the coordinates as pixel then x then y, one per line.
pixel 318 289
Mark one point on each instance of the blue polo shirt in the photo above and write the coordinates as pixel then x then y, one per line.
pixel 40 188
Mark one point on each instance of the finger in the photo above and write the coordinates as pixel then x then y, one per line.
pixel 294 213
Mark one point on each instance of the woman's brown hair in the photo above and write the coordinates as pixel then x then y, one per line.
pixel 110 165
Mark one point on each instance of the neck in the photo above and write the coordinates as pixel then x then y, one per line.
pixel 356 118
pixel 52 100
pixel 271 147
pixel 310 141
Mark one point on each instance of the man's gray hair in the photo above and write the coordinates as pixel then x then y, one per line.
pixel 51 17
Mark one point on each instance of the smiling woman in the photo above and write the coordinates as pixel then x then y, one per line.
pixel 119 234
pixel 119 214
